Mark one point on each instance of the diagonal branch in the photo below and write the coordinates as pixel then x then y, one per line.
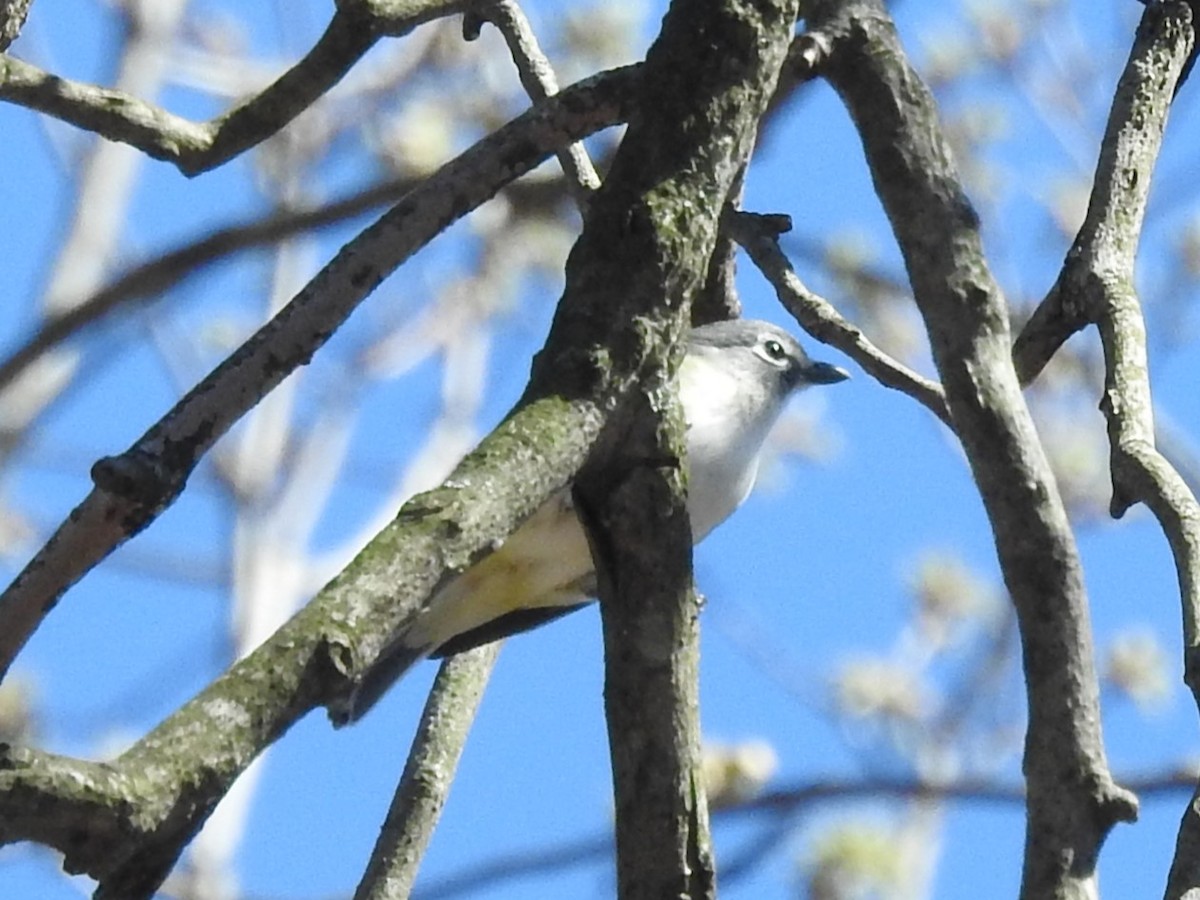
pixel 125 822
pixel 135 487
pixel 1127 152
pixel 759 236
pixel 1096 286
pixel 540 83
pixel 158 275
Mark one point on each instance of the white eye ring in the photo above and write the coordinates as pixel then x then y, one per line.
pixel 774 351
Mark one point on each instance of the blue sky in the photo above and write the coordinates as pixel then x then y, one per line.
pixel 813 569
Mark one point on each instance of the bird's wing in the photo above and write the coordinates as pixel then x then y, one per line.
pixel 505 626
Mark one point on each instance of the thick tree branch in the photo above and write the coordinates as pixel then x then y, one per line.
pixel 1096 286
pixel 1073 801
pixel 643 255
pixel 125 822
pixel 135 487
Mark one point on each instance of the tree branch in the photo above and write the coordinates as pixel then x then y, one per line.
pixel 540 83
pixel 1096 285
pixel 197 147
pixel 135 487
pixel 432 761
pixel 12 20
pixel 1126 152
pixel 125 822
pixel 782 805
pixel 458 689
pixel 759 236
pixel 1073 801
pixel 158 275
pixel 642 258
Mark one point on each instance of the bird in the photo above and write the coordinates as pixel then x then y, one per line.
pixel 734 381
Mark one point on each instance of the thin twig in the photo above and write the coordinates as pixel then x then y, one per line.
pixel 436 749
pixel 784 805
pixel 198 147
pixel 759 236
pixel 538 79
pixel 103 189
pixel 157 276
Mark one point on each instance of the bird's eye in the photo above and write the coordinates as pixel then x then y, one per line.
pixel 774 351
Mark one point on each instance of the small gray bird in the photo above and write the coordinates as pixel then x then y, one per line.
pixel 733 383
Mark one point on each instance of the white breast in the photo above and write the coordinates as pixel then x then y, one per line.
pixel 727 423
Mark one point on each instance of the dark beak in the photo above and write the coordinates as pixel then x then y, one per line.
pixel 824 373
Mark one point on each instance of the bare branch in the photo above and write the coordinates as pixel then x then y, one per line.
pixel 452 704
pixel 759 235
pixel 12 19
pixel 785 804
pixel 197 147
pixel 1073 801
pixel 160 274
pixel 134 488
pixel 157 276
pixel 1117 206
pixel 1096 285
pixel 125 822
pixel 432 762
pixel 539 81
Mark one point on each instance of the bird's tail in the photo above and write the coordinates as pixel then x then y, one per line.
pixel 395 661
pixel 541 572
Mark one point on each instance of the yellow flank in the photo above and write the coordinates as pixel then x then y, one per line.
pixel 541 564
